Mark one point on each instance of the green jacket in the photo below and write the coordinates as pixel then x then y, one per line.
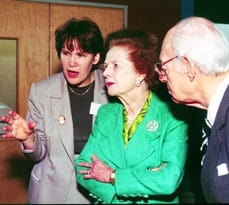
pixel 159 139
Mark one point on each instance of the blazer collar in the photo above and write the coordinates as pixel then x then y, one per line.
pixel 57 87
pixel 61 111
pixel 141 143
pixel 220 120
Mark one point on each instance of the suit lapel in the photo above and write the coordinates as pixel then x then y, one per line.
pixel 62 114
pixel 220 119
pixel 139 147
pixel 142 143
pixel 217 132
pixel 112 144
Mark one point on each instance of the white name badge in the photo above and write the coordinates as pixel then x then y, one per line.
pixel 94 108
pixel 222 169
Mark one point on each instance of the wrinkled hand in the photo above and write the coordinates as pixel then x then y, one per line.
pixel 96 170
pixel 17 126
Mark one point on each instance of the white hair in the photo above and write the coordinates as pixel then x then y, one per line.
pixel 200 40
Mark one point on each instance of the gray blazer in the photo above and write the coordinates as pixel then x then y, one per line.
pixel 53 175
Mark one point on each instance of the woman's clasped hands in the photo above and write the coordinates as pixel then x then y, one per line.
pixel 96 170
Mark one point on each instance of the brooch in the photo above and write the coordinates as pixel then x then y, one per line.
pixel 152 126
pixel 61 119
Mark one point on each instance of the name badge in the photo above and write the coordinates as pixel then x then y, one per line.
pixel 222 169
pixel 94 108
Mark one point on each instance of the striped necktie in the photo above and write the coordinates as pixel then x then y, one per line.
pixel 206 131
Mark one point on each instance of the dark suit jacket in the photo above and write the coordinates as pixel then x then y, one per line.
pixel 215 170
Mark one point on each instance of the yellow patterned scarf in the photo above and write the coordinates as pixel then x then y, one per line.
pixel 127 133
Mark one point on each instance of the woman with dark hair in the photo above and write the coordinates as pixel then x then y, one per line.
pixel 137 149
pixel 61 114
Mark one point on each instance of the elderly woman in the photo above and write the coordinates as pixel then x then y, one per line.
pixel 136 152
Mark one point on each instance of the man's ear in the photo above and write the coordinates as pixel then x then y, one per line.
pixel 189 68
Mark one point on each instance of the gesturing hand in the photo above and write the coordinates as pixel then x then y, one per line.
pixel 17 126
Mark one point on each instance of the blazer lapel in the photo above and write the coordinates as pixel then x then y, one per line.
pixel 100 95
pixel 62 114
pixel 142 143
pixel 139 147
pixel 218 129
pixel 112 145
pixel 220 119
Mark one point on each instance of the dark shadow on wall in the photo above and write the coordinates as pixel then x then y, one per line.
pixel 14 172
pixel 20 168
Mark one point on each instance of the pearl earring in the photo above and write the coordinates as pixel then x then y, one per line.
pixel 138 83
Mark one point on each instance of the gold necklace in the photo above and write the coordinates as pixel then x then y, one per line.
pixel 83 93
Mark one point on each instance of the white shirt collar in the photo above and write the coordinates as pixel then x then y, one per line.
pixel 216 99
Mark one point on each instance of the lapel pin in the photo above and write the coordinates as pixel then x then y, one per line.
pixel 61 119
pixel 152 126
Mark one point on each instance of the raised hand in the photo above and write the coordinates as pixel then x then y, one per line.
pixel 17 126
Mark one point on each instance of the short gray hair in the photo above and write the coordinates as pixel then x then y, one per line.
pixel 200 40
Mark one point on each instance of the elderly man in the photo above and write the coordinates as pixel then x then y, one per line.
pixel 195 66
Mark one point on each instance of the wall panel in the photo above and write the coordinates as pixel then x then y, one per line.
pixel 28 22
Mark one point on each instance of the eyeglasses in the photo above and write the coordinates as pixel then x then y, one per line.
pixel 159 67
